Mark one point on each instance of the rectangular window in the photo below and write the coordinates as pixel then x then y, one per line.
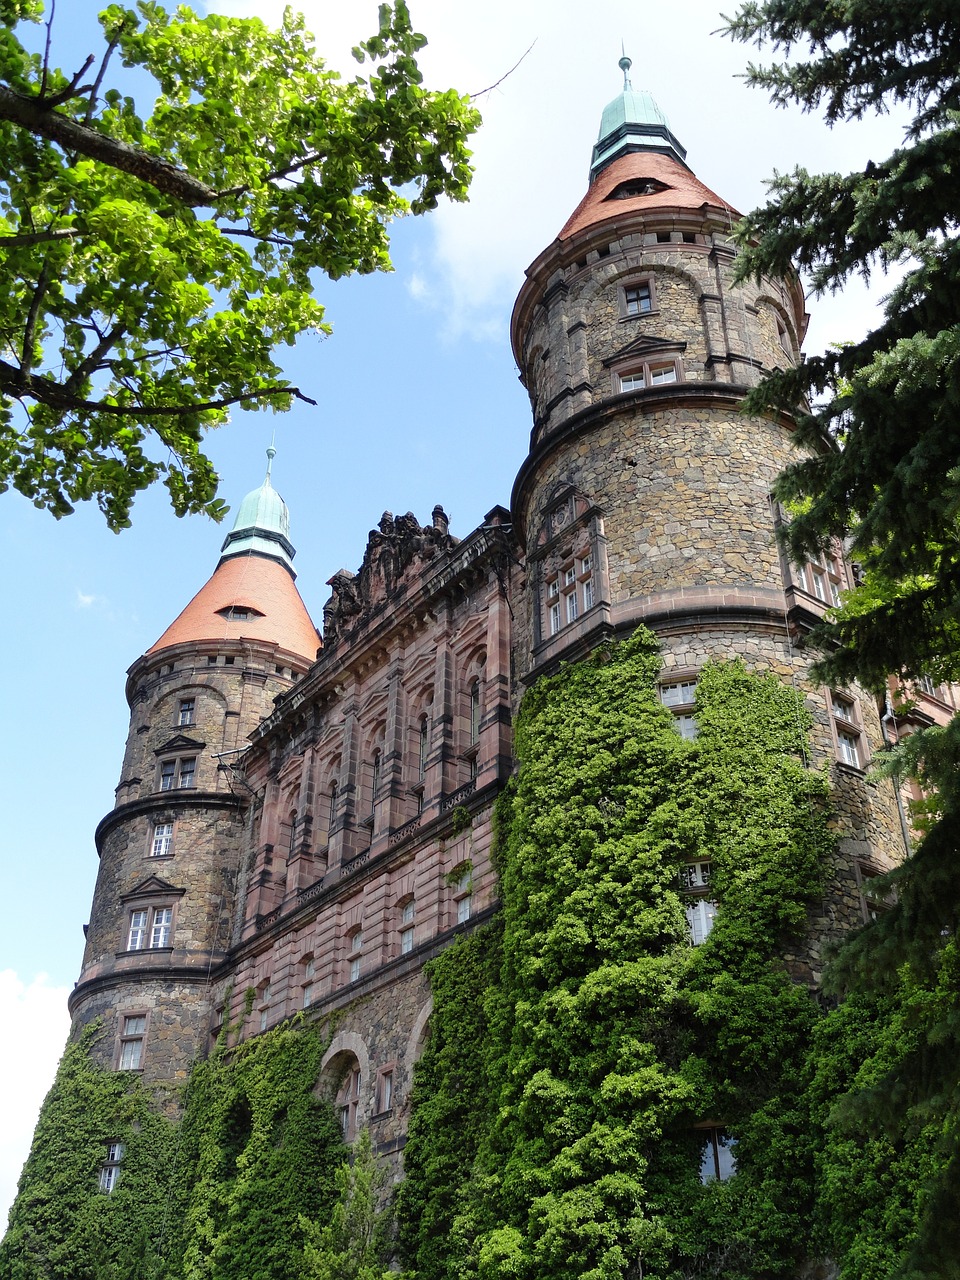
pixel 847 729
pixel 160 933
pixel 717 1159
pixel 632 381
pixel 307 994
pixel 463 909
pixel 661 373
pixel 188 769
pixel 406 941
pixel 136 939
pixel 385 1092
pixel 110 1169
pixel 572 610
pixel 695 875
pixel 162 842
pixel 355 965
pixel 309 968
pixel 168 773
pixel 131 1042
pixel 345 1121
pixel 701 914
pixel 406 915
pixel 637 299
pixel 554 619
pixel 683 693
pixel 187 708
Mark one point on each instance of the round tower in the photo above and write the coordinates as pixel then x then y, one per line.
pixel 646 495
pixel 170 849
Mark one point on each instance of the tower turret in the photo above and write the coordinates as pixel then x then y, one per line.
pixel 170 849
pixel 645 495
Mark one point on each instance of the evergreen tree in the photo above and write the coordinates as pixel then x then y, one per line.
pixel 879 433
pixel 881 442
pixel 355 1242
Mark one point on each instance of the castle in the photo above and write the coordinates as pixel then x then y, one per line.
pixel 303 821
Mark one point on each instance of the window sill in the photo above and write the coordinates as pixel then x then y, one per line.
pixel 145 951
pixel 383 1115
pixel 851 770
pixel 642 315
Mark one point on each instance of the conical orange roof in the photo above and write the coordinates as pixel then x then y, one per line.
pixel 265 590
pixel 252 594
pixel 673 186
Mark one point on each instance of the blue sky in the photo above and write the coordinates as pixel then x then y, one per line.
pixel 418 403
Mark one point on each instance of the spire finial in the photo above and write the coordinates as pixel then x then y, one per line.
pixel 271 454
pixel 625 64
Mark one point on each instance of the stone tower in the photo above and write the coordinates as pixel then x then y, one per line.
pixel 170 849
pixel 646 494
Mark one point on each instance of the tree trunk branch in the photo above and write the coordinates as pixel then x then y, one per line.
pixel 80 138
pixel 53 394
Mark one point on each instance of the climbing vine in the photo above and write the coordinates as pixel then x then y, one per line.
pixel 610 1040
pixel 62 1227
pixel 222 1195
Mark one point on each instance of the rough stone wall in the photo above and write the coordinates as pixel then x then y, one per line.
pixel 177 1026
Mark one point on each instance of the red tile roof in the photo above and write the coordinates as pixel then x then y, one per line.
pixel 684 191
pixel 254 582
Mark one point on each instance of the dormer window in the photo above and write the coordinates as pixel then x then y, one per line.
pixel 636 187
pixel 239 613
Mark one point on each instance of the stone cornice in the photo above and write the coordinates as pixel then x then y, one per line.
pixel 686 395
pixel 196 972
pixel 157 801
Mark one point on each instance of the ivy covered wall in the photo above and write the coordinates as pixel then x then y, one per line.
pixel 615 1053
pixel 223 1195
pixel 585 1063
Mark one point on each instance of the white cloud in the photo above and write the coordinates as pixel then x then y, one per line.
pixel 35 1022
pixel 85 602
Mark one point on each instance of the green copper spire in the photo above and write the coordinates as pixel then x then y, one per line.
pixel 262 526
pixel 633 122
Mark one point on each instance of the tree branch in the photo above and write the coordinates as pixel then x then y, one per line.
pixel 285 172
pixel 37 237
pixel 19 385
pixel 74 136
pixel 255 235
pixel 30 328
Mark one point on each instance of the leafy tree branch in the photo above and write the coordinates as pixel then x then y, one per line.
pixel 129 298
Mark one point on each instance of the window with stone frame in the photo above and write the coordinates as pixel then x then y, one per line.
pixel 407 928
pixel 649 373
pixel 150 928
pixel 307 985
pixel 110 1169
pixel 186 711
pixel 348 1101
pixel 355 958
pixel 133 1035
pixel 637 297
pixel 385 1085
pixel 567 562
pixel 680 696
pixel 463 893
pixel 874 900
pixel 161 840
pixel 847 730
pixel 178 772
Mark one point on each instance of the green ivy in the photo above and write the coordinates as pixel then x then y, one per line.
pixel 221 1196
pixel 62 1227
pixel 609 1038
